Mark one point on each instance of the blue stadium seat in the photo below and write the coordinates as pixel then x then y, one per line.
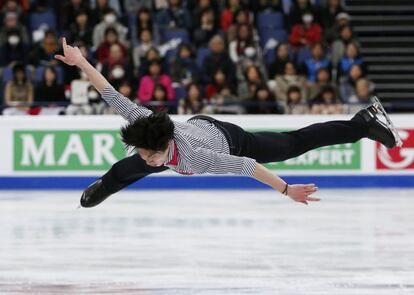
pixel 202 52
pixel 278 34
pixel 273 20
pixel 8 74
pixel 303 54
pixel 132 20
pixel 40 71
pixel 179 92
pixel 40 19
pixel 169 34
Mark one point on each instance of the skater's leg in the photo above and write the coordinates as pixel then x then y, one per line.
pixel 122 174
pixel 128 171
pixel 273 146
pixel 278 146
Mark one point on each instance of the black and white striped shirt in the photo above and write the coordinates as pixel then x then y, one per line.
pixel 202 147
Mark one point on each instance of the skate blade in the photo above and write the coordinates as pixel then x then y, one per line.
pixel 377 104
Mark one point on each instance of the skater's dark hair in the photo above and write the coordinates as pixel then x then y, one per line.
pixel 151 133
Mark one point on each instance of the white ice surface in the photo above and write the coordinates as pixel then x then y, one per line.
pixel 208 242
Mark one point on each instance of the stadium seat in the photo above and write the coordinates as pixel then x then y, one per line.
pixel 38 20
pixel 202 52
pixel 179 92
pixel 273 20
pixel 8 74
pixel 132 28
pixel 278 34
pixel 40 71
pixel 169 34
pixel 303 54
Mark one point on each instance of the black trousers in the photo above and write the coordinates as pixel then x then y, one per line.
pixel 264 147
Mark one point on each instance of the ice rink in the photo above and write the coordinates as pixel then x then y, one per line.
pixel 208 242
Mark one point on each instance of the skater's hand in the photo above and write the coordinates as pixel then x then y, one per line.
pixel 301 192
pixel 71 55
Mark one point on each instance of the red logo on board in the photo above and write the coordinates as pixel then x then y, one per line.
pixel 397 158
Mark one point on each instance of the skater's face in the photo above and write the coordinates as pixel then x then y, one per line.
pixel 153 158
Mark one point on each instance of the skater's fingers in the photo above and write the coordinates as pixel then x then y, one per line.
pixel 65 45
pixel 60 57
pixel 312 199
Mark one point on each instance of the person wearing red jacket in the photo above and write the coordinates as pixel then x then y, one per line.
pixel 307 33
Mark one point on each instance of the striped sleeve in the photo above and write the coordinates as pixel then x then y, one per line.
pixel 129 110
pixel 208 161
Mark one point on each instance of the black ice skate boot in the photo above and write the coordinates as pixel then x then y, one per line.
pixel 94 194
pixel 385 133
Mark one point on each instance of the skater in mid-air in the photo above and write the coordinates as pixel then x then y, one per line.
pixel 206 145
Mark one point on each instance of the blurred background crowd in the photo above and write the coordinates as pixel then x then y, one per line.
pixel 189 56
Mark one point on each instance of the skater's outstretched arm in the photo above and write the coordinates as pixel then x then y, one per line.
pixel 124 106
pixel 297 192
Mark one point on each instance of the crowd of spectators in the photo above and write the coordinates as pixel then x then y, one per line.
pixel 189 56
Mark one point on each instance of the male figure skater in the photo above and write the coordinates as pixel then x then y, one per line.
pixel 205 145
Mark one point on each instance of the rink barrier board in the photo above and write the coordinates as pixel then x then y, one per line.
pixel 70 152
pixel 209 182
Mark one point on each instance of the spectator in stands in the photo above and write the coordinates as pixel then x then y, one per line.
pixel 219 81
pixel 205 27
pixel 102 7
pixel 323 79
pixel 316 62
pixel 332 33
pixel 18 92
pixel 225 102
pixel 13 6
pixel 11 24
pixel 241 17
pixel 267 5
pixel 282 58
pixel 244 42
pixel 174 17
pixel 251 81
pixel 296 104
pixel 43 52
pixel 352 56
pixel 218 58
pixel 326 102
pixel 117 67
pixel 14 50
pixel 148 82
pixel 346 36
pixel 69 11
pixel 299 8
pixel 49 90
pixel 111 38
pixel 330 11
pixel 81 30
pixel 152 55
pixel 109 20
pixel 159 98
pixel 288 79
pixel 364 91
pixel 306 33
pixel 228 15
pixel 145 42
pixel 145 22
pixel 348 83
pixel 264 102
pixel 183 68
pixel 193 103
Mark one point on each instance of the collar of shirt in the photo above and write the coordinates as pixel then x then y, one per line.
pixel 172 158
